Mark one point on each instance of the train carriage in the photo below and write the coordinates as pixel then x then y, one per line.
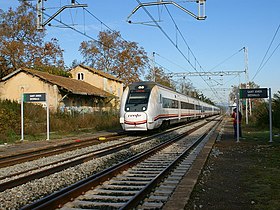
pixel 148 105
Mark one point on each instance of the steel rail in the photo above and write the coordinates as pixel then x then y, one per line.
pixel 56 200
pixel 140 196
pixel 79 160
pixel 52 150
pixel 45 172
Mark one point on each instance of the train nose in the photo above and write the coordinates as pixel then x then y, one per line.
pixel 135 121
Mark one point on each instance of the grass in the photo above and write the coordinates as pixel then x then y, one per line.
pixel 263 177
pixel 15 138
pixel 61 124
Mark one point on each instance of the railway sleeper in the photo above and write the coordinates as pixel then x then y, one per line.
pixel 121 187
pixel 133 178
pixel 161 161
pixel 155 166
pixel 88 204
pixel 151 205
pixel 164 190
pixel 97 197
pixel 147 175
pixel 157 198
pixel 114 192
pixel 125 182
pixel 146 170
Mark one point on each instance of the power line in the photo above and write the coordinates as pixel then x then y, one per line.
pixel 262 64
pixel 88 36
pixel 227 59
pixel 172 62
pixel 176 46
pixel 177 28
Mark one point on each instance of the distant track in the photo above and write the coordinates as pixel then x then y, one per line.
pixel 52 150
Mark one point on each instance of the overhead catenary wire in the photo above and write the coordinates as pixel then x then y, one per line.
pixel 84 33
pixel 182 36
pixel 227 59
pixel 110 29
pixel 263 62
pixel 189 50
pixel 179 50
pixel 88 36
pixel 93 39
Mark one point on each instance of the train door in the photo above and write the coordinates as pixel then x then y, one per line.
pixel 179 107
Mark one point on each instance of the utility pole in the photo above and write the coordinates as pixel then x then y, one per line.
pixel 247 82
pixel 153 68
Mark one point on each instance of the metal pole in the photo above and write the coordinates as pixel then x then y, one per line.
pixel 48 118
pixel 247 81
pixel 153 66
pixel 21 115
pixel 270 116
pixel 237 116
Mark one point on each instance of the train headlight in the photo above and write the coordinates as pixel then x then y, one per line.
pixel 144 108
pixel 127 108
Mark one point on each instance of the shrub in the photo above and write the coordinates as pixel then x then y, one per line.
pixel 35 120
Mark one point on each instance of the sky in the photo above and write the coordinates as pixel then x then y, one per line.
pixel 180 42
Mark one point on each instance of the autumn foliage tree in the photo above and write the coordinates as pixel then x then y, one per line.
pixel 110 53
pixel 22 45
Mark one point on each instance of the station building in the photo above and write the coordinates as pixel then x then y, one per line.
pixel 88 91
pixel 100 79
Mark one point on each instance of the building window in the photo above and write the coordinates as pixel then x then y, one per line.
pixel 80 76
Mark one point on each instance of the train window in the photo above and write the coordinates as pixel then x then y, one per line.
pixel 136 97
pixel 169 103
pixel 185 105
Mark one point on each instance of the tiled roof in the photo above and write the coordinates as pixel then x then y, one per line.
pixel 101 73
pixel 67 84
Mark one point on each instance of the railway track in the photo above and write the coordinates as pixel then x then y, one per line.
pixel 133 179
pixel 30 155
pixel 42 170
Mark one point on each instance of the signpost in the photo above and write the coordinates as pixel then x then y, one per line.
pixel 253 93
pixel 34 98
pixel 258 93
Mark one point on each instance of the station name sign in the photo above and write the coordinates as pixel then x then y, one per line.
pixel 34 97
pixel 253 93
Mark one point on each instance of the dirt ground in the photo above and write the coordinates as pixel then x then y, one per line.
pixel 225 182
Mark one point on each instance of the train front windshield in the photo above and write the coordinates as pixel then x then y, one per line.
pixel 137 100
pixel 136 97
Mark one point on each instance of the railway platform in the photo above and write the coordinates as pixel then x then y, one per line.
pixel 182 194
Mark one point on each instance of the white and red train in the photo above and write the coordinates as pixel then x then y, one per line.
pixel 148 105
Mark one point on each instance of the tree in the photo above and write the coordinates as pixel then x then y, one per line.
pixel 261 112
pixel 276 109
pixel 186 87
pixel 123 59
pixel 22 45
pixel 157 74
pixel 232 95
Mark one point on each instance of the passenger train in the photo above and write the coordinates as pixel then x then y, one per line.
pixel 149 105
